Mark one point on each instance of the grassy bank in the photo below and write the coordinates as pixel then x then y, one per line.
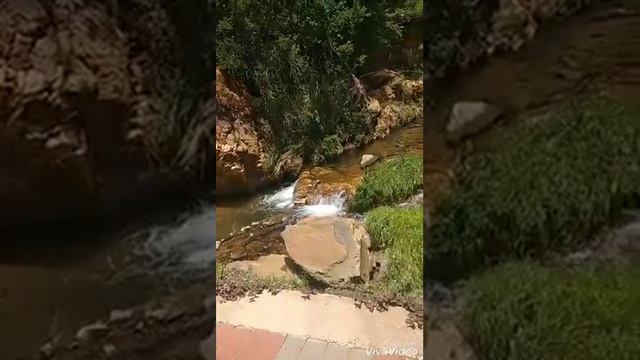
pixel 389 182
pixel 549 185
pixel 399 233
pixel 526 311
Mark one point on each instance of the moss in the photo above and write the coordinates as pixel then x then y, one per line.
pixel 525 311
pixel 547 186
pixel 400 233
pixel 388 182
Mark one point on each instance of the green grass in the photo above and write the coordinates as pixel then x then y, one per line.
pixel 399 232
pixel 547 186
pixel 528 312
pixel 388 183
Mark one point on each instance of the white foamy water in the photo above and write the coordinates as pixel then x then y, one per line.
pixel 281 199
pixel 184 246
pixel 331 206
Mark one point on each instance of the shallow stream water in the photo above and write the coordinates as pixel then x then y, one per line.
pixel 55 282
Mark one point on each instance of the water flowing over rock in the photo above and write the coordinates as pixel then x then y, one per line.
pixel 331 249
pixel 320 183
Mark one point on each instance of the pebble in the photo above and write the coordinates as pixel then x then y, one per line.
pixel 119 315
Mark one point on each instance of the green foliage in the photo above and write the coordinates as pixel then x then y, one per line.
pixel 528 312
pixel 549 185
pixel 299 56
pixel 388 182
pixel 455 28
pixel 399 232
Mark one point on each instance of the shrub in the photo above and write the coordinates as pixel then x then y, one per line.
pixel 548 186
pixel 527 312
pixel 298 58
pixel 388 182
pixel 399 232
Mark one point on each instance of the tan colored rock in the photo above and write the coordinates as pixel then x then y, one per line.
pixel 470 117
pixel 321 183
pixel 331 249
pixel 241 143
pixel 368 160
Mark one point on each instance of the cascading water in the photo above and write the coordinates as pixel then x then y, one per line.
pixel 281 199
pixel 182 247
pixel 329 206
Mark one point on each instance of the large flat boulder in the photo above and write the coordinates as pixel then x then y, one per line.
pixel 333 250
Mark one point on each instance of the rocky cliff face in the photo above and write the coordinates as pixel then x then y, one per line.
pixel 241 139
pixel 83 90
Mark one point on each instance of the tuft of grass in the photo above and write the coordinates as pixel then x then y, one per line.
pixel 547 186
pixel 524 311
pixel 399 232
pixel 388 183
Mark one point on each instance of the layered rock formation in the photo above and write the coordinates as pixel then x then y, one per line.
pixel 83 106
pixel 242 140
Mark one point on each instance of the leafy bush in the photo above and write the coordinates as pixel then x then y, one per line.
pixel 528 312
pixel 547 187
pixel 298 58
pixel 399 232
pixel 388 182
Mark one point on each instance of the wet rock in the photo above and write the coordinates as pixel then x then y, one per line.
pixel 331 249
pixel 320 183
pixel 89 331
pixel 367 160
pixel 274 265
pixel 470 117
pixel 254 241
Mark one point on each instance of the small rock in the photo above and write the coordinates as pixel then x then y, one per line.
pixel 367 160
pixel 109 350
pixel 86 332
pixel 373 106
pixel 470 117
pixel 46 351
pixel 119 315
pixel 158 314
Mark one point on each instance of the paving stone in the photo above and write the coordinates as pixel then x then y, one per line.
pixel 313 350
pixel 335 351
pixel 291 348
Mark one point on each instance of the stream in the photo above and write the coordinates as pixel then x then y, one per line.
pixel 52 284
pixel 595 52
pixel 234 213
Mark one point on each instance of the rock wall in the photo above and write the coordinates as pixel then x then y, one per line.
pixel 242 139
pixel 459 33
pixel 83 88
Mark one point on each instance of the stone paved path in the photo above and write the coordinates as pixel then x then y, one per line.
pixel 242 343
